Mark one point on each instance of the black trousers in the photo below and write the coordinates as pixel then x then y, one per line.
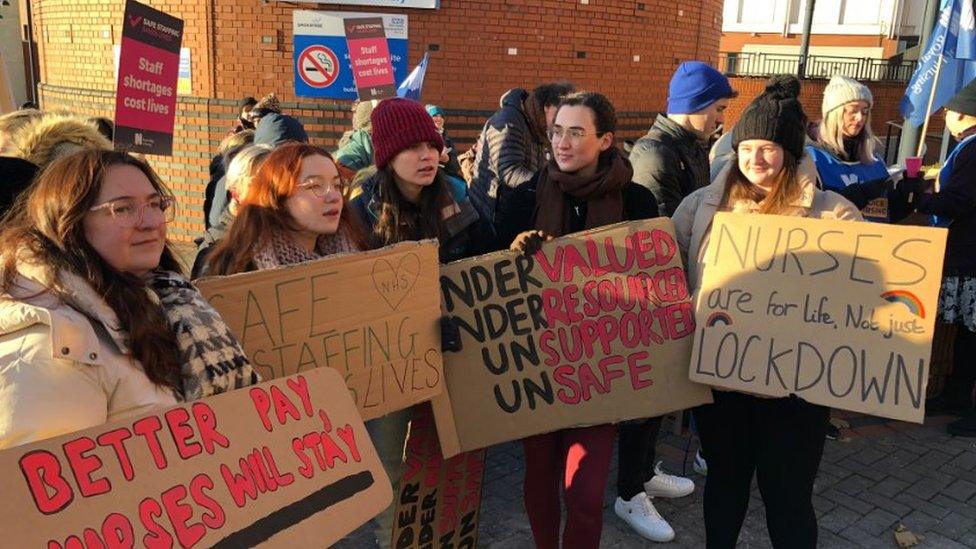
pixel 636 455
pixel 959 385
pixel 780 440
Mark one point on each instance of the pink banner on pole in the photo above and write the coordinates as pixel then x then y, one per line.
pixel 369 55
pixel 145 97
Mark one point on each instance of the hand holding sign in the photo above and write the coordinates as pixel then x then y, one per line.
pixel 594 328
pixel 840 313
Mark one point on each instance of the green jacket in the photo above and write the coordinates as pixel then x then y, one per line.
pixel 357 153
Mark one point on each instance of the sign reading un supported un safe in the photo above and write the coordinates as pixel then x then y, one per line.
pixel 321 59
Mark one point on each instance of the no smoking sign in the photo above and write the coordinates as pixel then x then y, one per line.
pixel 318 66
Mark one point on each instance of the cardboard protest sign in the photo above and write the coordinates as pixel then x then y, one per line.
pixel 369 55
pixel 373 316
pixel 439 501
pixel 287 461
pixel 840 313
pixel 149 65
pixel 595 328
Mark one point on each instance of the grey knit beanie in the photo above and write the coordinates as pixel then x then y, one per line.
pixel 842 90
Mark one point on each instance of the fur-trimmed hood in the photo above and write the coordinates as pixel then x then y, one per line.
pixel 51 137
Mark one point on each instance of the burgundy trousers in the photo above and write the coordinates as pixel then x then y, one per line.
pixel 578 462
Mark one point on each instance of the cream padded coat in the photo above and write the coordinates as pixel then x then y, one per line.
pixel 63 366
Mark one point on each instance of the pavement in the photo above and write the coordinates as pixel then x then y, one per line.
pixel 878 475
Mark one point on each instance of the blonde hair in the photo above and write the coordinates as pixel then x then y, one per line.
pixel 12 122
pixel 243 168
pixel 830 137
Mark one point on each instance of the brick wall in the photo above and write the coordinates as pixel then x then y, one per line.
pixel 887 97
pixel 244 47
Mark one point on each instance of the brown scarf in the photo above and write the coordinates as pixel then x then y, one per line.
pixel 603 193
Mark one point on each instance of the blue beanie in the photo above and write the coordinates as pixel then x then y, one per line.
pixel 696 85
pixel 434 110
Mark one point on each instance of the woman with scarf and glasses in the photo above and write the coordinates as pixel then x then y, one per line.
pixel 293 212
pixel 96 322
pixel 587 184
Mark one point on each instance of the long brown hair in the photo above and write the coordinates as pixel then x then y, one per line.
pixel 47 225
pixel 263 211
pixel 399 220
pixel 778 201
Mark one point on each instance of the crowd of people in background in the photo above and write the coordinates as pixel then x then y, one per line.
pixel 99 320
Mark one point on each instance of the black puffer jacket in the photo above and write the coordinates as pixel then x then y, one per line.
pixel 671 162
pixel 16 175
pixel 509 155
pixel 956 202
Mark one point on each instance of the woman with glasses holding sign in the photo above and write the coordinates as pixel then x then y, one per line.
pixel 292 212
pixel 96 322
pixel 587 184
pixel 780 440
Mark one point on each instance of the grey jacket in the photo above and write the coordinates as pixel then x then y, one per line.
pixel 693 218
pixel 508 156
pixel 671 162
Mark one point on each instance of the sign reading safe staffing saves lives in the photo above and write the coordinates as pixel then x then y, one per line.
pixel 840 313
pixel 322 62
pixel 374 316
pixel 145 94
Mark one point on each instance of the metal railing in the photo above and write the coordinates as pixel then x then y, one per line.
pixel 818 66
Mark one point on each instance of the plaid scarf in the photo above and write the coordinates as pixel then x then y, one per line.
pixel 212 359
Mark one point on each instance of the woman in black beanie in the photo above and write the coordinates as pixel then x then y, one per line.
pixel 780 440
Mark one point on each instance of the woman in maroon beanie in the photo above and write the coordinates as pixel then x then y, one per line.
pixel 409 198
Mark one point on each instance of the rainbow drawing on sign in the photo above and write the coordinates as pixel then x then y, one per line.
pixel 907 299
pixel 718 318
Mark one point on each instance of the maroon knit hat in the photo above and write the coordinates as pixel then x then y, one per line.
pixel 399 124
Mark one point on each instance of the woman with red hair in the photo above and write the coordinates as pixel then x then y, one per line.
pixel 292 212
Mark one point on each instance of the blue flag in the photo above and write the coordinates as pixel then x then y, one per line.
pixel 414 82
pixel 954 38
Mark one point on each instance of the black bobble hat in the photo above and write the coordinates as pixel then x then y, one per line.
pixel 775 115
pixel 964 102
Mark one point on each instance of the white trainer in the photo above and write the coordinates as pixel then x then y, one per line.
pixel 700 465
pixel 663 485
pixel 641 515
